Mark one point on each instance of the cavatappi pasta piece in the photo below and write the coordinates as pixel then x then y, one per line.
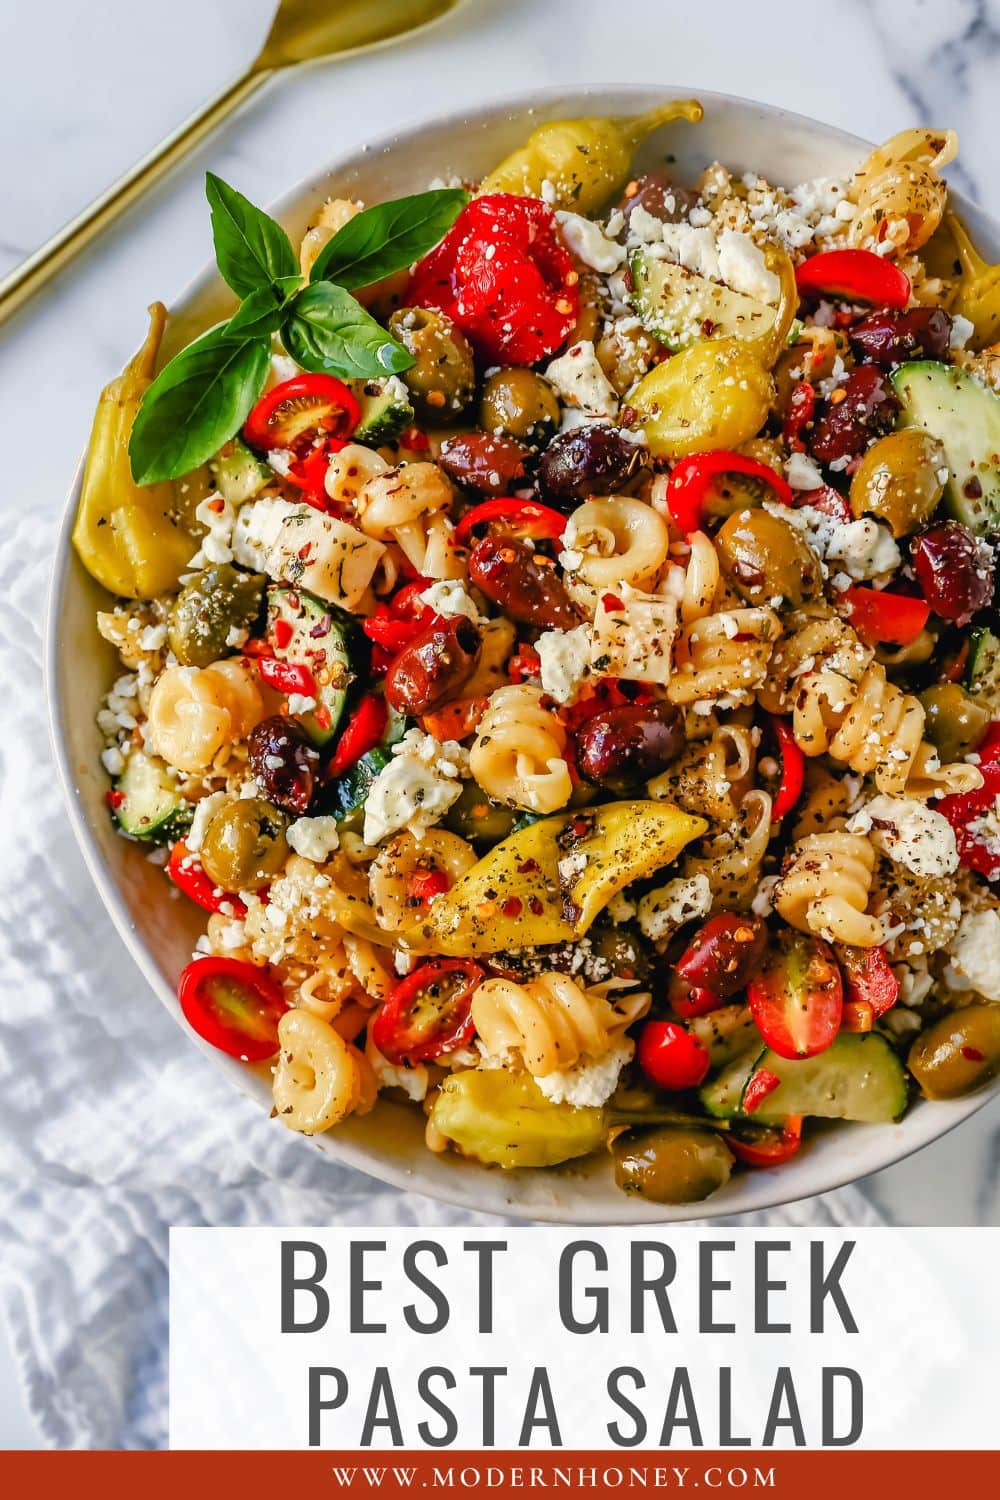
pixel 392 872
pixel 333 215
pixel 350 470
pixel 710 777
pixel 723 654
pixel 619 539
pixel 825 886
pixel 517 755
pixel 731 859
pixel 549 1021
pixel 407 505
pixel 899 193
pixel 195 712
pixel 319 1078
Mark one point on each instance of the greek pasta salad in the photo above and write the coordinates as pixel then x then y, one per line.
pixel 560 653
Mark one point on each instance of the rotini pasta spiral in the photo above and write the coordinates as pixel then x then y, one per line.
pixel 732 858
pixel 319 1078
pixel 899 193
pixel 517 755
pixel 725 653
pixel 195 712
pixel 394 867
pixel 825 886
pixel 622 540
pixel 815 636
pixel 710 778
pixel 550 1021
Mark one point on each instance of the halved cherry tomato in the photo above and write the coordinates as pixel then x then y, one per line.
pixel 429 1013
pixel 801 409
pixel 759 1086
pixel 881 617
pixel 520 518
pixel 691 480
pixel 793 769
pixel 856 275
pixel 302 411
pixel 287 676
pixel 724 953
pixel 186 872
pixel 763 1146
pixel 671 1056
pixel 503 274
pixel 686 1001
pixel 868 978
pixel 234 1005
pixel 360 734
pixel 797 999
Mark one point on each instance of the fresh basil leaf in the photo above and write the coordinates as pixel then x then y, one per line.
pixel 252 251
pixel 330 333
pixel 196 403
pixel 258 315
pixel 388 237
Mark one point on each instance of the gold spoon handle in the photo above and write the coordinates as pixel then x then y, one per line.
pixel 46 262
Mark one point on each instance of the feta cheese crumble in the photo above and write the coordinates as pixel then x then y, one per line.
pixel 588 1083
pixel 416 788
pixel 450 599
pixel 661 912
pixel 910 833
pixel 589 243
pixel 565 659
pixel 580 381
pixel 314 838
pixel 975 953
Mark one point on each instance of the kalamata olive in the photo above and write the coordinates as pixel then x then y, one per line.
pixel 889 338
pixel 522 582
pixel 591 460
pixel 244 844
pixel 624 747
pixel 866 409
pixel 217 601
pixel 958 1053
pixel 955 722
pixel 671 1163
pixel 283 763
pixel 518 403
pixel 954 569
pixel 725 954
pixel 660 197
pixel 484 463
pixel 766 558
pixel 434 665
pixel 442 378
pixel 899 479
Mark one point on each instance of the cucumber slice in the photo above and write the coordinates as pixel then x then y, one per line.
pixel 726 1033
pixel 679 305
pixel 349 793
pixel 859 1077
pixel 385 411
pixel 153 809
pixel 238 474
pixel 721 1096
pixel 319 639
pixel 982 676
pixel 965 416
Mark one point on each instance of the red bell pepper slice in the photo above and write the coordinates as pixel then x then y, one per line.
pixel 308 473
pixel 287 676
pixel 692 477
pixel 234 1005
pixel 301 412
pixel 186 872
pixel 793 769
pixel 856 276
pixel 763 1083
pixel 407 603
pixel 884 618
pixel 429 1013
pixel 520 518
pixel 362 732
pixel 765 1147
pixel 389 633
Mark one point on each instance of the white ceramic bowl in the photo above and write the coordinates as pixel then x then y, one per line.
pixel 161 933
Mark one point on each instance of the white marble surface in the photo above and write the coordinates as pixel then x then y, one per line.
pixel 88 88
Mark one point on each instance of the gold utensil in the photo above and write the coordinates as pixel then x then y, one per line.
pixel 302 31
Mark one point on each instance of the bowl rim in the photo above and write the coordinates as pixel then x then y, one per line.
pixel 918 1129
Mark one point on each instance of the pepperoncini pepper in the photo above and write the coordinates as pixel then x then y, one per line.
pixel 127 535
pixel 587 160
pixel 978 296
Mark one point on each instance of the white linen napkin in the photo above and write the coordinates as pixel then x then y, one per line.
pixel 102 1148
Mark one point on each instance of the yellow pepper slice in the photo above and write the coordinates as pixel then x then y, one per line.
pixel 586 160
pixel 715 394
pixel 127 535
pixel 978 296
pixel 504 1119
pixel 548 882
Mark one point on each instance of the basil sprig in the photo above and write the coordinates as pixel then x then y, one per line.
pixel 203 396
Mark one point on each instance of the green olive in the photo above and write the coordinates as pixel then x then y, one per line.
pixel 476 818
pixel 623 950
pixel 899 479
pixel 958 1053
pixel 207 610
pixel 518 403
pixel 955 721
pixel 765 558
pixel 671 1164
pixel 244 844
pixel 442 378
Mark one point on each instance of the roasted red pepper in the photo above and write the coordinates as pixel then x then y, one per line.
pixel 793 769
pixel 884 618
pixel 692 478
pixel 387 631
pixel 964 810
pixel 855 276
pixel 868 978
pixel 518 518
pixel 361 733
pixel 287 676
pixel 763 1083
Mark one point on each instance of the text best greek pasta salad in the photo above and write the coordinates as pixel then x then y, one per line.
pixel 560 653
